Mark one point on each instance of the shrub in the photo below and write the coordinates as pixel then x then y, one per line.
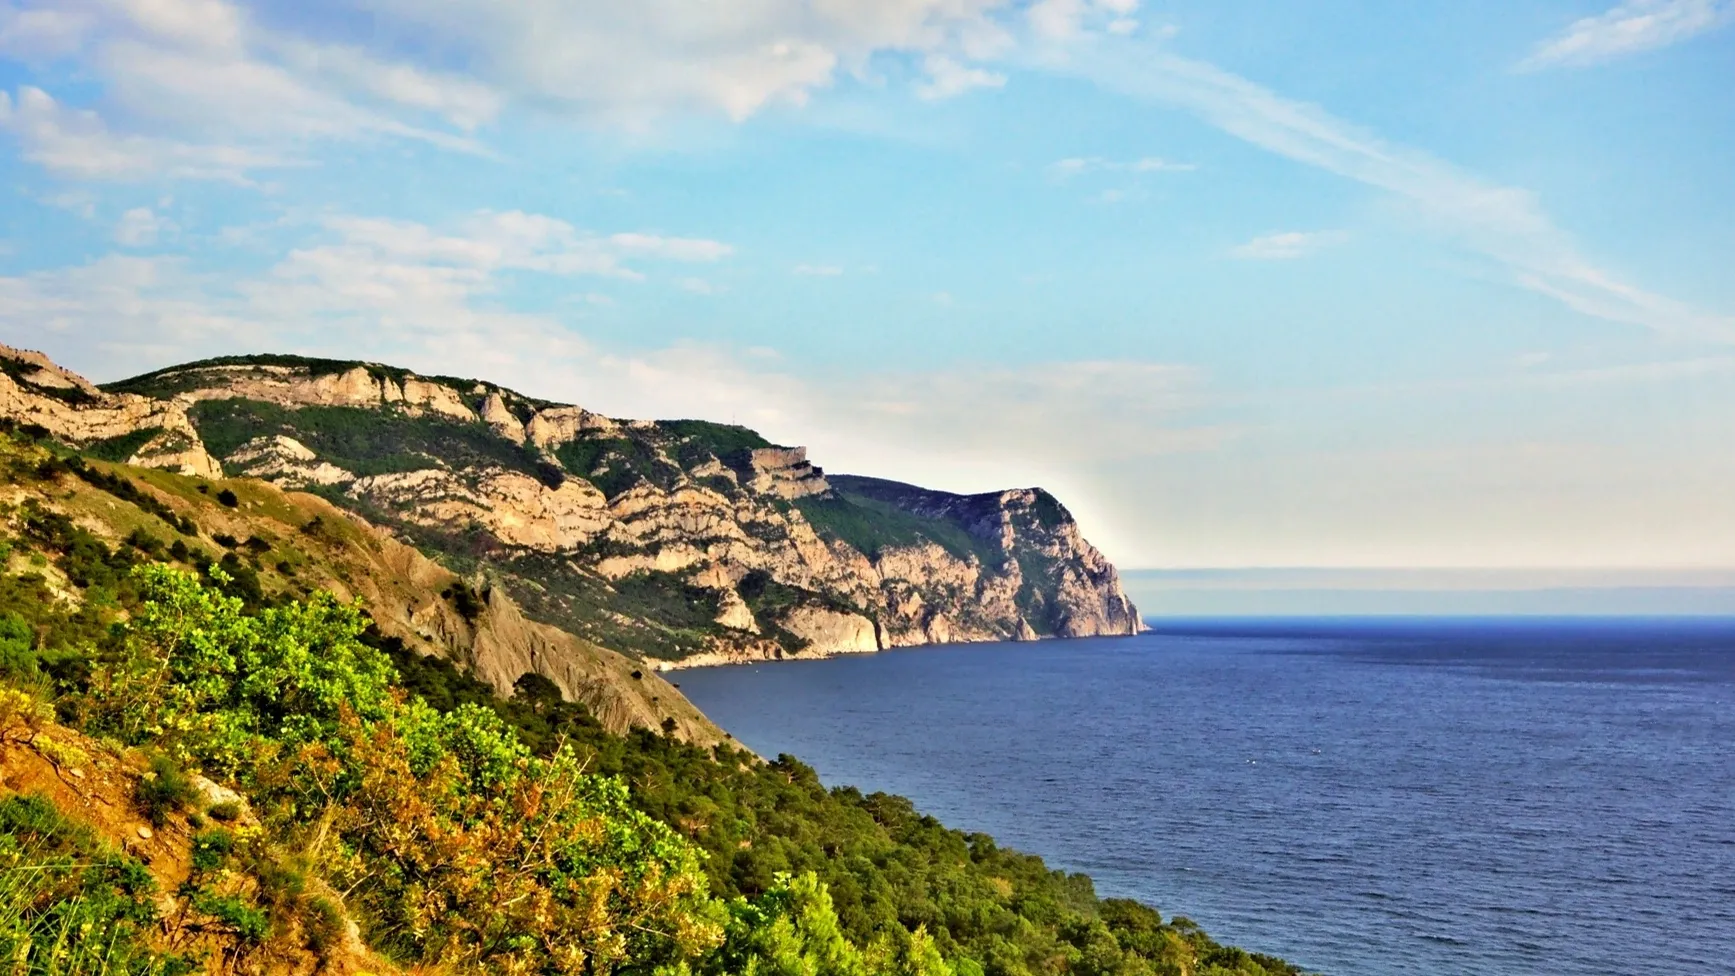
pixel 17 648
pixel 211 848
pixel 228 498
pixel 165 789
pixel 244 921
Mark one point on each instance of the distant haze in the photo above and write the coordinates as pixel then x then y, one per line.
pixel 1429 592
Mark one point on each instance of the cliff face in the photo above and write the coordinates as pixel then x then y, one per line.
pixel 678 541
pixel 140 430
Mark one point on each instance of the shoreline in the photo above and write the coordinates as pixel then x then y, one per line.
pixel 724 659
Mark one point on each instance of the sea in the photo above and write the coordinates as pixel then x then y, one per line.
pixel 1361 797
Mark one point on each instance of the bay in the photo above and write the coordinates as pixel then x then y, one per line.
pixel 1363 798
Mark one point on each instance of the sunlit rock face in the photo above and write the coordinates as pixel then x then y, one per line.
pixel 679 541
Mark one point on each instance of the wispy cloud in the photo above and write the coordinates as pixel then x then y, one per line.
pixel 1504 223
pixel 817 270
pixel 77 143
pixel 140 227
pixel 1080 165
pixel 1286 245
pixel 947 78
pixel 1632 27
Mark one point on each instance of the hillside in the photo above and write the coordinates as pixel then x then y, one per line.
pixel 678 542
pixel 211 761
pixel 280 545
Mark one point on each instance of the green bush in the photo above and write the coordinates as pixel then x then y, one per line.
pixel 164 790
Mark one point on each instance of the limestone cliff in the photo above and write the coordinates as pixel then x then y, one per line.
pixel 144 431
pixel 676 541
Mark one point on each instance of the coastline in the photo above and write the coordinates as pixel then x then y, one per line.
pixel 723 659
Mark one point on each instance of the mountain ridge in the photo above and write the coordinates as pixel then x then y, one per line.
pixel 680 542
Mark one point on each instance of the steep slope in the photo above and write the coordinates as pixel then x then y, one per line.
pixel 677 541
pixel 277 543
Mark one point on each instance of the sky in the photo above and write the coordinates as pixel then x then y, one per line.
pixel 1344 285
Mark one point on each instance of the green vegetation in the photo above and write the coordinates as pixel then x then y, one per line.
pixel 121 448
pixel 871 525
pixel 165 383
pixel 20 372
pixel 693 439
pixel 68 905
pixel 360 440
pixel 616 464
pixel 464 832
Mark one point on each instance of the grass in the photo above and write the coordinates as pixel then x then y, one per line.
pixel 872 526
pixel 118 449
pixel 361 440
pixel 616 464
pixel 68 907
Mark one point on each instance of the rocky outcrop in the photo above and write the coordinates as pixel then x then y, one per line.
pixel 514 507
pixel 832 631
pixel 784 472
pixel 34 391
pixel 285 461
pixel 680 540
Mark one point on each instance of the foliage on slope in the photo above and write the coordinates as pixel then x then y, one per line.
pixel 501 836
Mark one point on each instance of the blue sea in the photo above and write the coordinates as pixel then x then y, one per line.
pixel 1530 798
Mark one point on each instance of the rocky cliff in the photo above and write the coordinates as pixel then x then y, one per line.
pixel 677 541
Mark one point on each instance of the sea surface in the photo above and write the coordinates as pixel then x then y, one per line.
pixel 1364 799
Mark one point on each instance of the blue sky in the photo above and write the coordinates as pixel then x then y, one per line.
pixel 1337 284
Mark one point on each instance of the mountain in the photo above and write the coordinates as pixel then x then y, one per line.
pixel 680 542
pixel 213 761
pixel 284 545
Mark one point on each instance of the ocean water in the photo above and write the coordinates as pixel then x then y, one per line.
pixel 1365 799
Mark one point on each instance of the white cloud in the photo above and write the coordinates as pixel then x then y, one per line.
pixel 1060 20
pixel 947 78
pixel 42 33
pixel 1506 224
pixel 817 270
pixel 193 89
pixel 699 286
pixel 77 143
pixel 673 248
pixel 1632 27
pixel 1080 165
pixel 633 63
pixel 79 202
pixel 1286 245
pixel 462 101
pixel 140 227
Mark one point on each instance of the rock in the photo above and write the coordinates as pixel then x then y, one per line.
pixel 831 631
pixel 73 410
pixel 436 397
pixel 213 794
pixel 496 415
pixel 735 614
pixel 286 461
pixel 550 428
pixel 784 472
pixel 145 833
pixel 691 502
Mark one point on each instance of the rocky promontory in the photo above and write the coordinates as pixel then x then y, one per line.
pixel 680 542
